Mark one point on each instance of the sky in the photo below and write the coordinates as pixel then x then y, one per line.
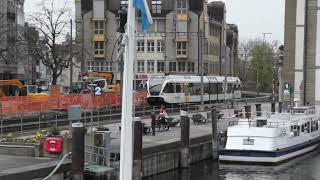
pixel 253 17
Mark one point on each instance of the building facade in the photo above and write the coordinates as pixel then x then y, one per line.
pixel 185 37
pixel 301 66
pixel 13 54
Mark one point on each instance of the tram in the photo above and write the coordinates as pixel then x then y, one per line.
pixel 176 89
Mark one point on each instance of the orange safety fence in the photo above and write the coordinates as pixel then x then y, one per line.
pixel 24 104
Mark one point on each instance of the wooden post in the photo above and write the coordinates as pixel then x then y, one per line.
pixel 280 107
pixel 153 124
pixel 215 149
pixel 77 151
pixel 137 149
pixel 273 107
pixel 185 139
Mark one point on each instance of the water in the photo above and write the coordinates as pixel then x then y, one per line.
pixel 306 167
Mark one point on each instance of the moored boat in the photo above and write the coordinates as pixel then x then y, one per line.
pixel 272 138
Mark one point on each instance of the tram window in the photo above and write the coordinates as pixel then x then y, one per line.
pixel 298 130
pixel 213 88
pixel 206 88
pixel 179 88
pixel 220 90
pixel 308 127
pixel 169 88
pixel 302 128
pixel 317 125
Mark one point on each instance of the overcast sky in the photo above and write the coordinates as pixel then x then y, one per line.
pixel 253 17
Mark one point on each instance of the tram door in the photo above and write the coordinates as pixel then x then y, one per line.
pixel 186 92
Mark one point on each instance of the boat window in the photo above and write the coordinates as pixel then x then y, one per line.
pixel 261 123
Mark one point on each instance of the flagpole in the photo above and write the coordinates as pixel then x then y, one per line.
pixel 126 147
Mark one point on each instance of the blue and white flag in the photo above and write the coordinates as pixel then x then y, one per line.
pixel 146 18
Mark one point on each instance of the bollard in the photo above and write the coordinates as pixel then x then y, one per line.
pixel 280 107
pixel 74 114
pixel 185 139
pixel 153 124
pixel 247 110
pixel 137 149
pixel 273 107
pixel 258 110
pixel 77 151
pixel 214 135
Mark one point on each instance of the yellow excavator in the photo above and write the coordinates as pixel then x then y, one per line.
pixel 15 87
pixel 102 79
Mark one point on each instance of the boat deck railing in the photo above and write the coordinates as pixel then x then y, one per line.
pixel 257 123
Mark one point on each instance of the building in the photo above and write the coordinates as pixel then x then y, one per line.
pixel 301 66
pixel 185 36
pixel 13 61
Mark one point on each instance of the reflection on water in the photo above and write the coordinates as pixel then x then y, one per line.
pixel 306 167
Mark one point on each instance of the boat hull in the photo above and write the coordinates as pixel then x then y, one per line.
pixel 266 157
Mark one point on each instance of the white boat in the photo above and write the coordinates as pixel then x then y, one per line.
pixel 273 137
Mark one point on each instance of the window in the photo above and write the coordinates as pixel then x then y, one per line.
pixel 181 66
pixel 169 88
pixel 140 66
pixel 140 46
pixel 150 46
pixel 160 66
pixel 172 66
pixel 98 47
pixel 109 66
pixel 150 66
pixel 182 6
pixel 99 66
pixel 90 66
pixel 156 6
pixel 181 48
pixel 99 27
pixel 160 44
pixel 191 67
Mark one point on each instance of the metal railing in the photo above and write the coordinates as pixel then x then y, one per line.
pixel 97 155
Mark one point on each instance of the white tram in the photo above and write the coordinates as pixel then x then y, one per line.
pixel 175 89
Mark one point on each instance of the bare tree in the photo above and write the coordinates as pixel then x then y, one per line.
pixel 51 22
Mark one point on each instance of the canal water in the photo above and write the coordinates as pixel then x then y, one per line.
pixel 306 167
